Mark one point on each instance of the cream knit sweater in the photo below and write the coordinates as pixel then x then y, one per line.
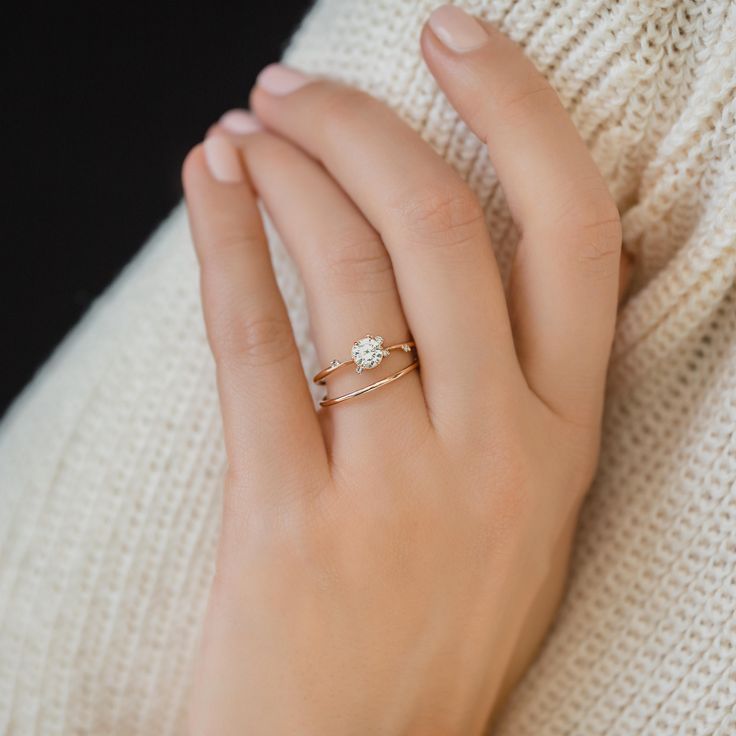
pixel 111 461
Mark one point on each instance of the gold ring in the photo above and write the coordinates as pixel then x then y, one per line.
pixel 372 387
pixel 366 353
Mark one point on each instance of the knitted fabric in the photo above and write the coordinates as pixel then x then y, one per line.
pixel 111 461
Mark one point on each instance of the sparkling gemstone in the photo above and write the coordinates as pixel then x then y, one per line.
pixel 368 352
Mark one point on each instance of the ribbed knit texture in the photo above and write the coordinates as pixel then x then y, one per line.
pixel 111 461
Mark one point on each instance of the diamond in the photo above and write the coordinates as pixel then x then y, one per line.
pixel 367 352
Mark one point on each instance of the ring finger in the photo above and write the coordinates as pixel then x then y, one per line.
pixel 431 223
pixel 350 285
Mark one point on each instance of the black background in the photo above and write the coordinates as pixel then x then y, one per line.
pixel 100 106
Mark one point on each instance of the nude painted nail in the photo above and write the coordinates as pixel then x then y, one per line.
pixel 277 79
pixel 240 122
pixel 456 29
pixel 223 160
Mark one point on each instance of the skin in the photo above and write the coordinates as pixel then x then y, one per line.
pixel 391 564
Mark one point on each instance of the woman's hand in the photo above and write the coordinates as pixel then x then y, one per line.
pixel 388 565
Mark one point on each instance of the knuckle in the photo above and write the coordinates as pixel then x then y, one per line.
pixel 357 262
pixel 218 252
pixel 600 254
pixel 251 341
pixel 589 205
pixel 536 97
pixel 585 218
pixel 594 220
pixel 446 217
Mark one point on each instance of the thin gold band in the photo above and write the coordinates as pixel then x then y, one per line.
pixel 372 387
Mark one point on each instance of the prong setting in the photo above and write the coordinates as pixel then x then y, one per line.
pixel 368 352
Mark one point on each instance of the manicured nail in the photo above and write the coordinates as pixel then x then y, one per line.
pixel 240 122
pixel 280 80
pixel 456 29
pixel 223 160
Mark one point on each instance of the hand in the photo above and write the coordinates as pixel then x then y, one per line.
pixel 388 565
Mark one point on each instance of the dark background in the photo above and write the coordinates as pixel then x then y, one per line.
pixel 100 106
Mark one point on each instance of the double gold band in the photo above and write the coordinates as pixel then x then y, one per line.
pixel 367 353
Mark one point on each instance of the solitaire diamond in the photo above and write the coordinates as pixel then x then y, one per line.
pixel 368 352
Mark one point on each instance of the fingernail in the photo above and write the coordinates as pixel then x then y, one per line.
pixel 456 29
pixel 223 160
pixel 280 80
pixel 240 122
